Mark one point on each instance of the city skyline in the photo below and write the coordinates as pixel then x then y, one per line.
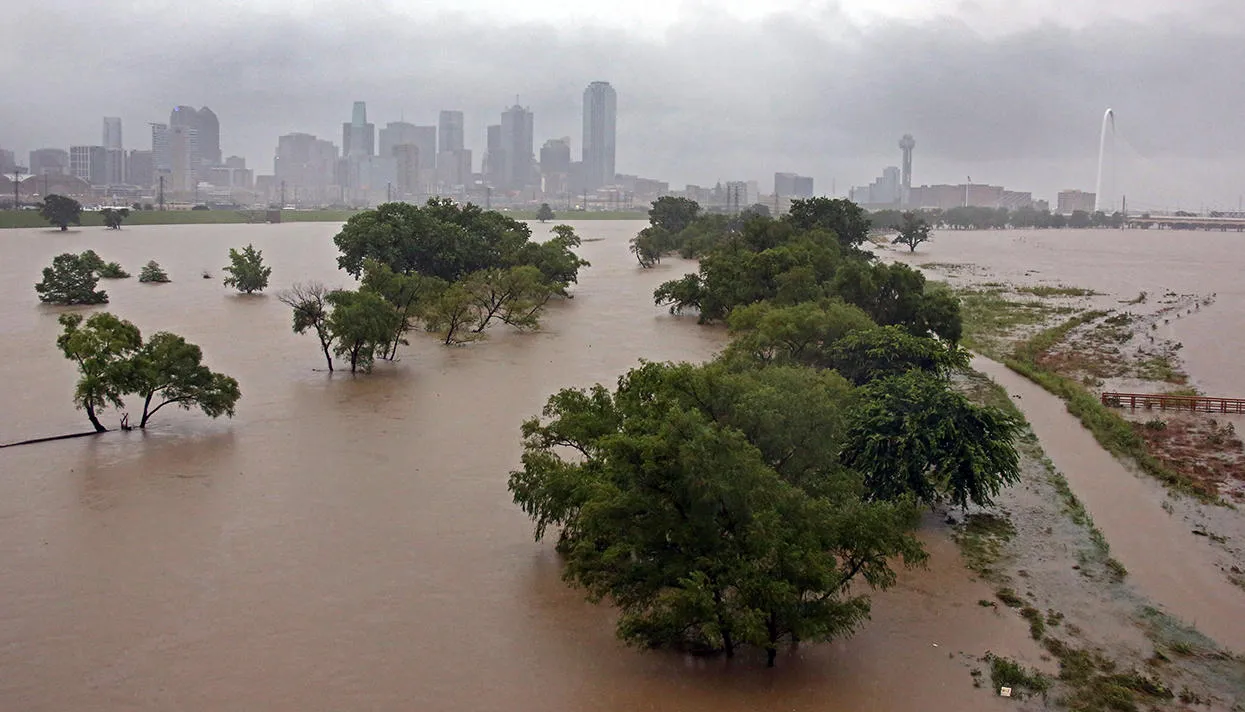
pixel 1010 93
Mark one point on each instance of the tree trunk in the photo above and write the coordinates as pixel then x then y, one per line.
pixel 64 228
pixel 146 404
pixel 771 648
pixel 90 414
pixel 770 654
pixel 327 357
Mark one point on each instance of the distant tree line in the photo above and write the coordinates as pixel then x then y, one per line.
pixel 974 218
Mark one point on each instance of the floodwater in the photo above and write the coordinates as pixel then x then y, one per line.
pixel 1166 562
pixel 348 543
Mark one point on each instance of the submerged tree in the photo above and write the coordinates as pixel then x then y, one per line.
pixel 360 323
pixel 709 506
pixel 311 310
pixel 102 347
pixel 169 371
pixel 913 436
pixel 247 271
pixel 545 213
pixel 72 280
pixel 61 211
pixel 152 272
pixel 912 231
pixel 113 217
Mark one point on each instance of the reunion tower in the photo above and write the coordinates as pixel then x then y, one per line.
pixel 906 144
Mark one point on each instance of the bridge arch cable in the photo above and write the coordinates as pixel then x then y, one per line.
pixel 1132 173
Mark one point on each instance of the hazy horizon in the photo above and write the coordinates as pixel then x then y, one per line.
pixel 1009 93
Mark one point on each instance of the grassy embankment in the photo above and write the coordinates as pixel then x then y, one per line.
pixel 569 215
pixel 31 218
pixel 1016 332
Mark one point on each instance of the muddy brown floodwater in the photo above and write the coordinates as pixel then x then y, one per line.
pixel 348 543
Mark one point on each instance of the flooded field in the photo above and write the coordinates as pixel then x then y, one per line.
pixel 348 543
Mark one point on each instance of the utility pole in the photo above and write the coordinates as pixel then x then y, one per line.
pixel 282 205
pixel 160 197
pixel 17 186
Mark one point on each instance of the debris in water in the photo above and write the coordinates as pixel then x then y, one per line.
pixel 1005 692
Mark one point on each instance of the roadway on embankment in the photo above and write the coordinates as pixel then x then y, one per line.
pixel 1165 561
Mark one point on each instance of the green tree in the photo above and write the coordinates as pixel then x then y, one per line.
pixel 152 272
pixel 113 270
pixel 71 280
pixel 912 436
pixel 113 217
pixel 170 371
pixel 801 334
pixel 360 323
pixel 847 220
pixel 672 214
pixel 311 310
pixel 865 355
pixel 650 244
pixel 912 231
pixel 515 296
pixel 1079 219
pixel 409 294
pixel 452 313
pixel 102 347
pixel 690 504
pixel 555 258
pixel 61 211
pixel 247 271
pixel 545 213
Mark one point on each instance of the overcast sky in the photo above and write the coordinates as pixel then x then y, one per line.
pixel 1006 91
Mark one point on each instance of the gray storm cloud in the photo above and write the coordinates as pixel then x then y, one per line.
pixel 711 98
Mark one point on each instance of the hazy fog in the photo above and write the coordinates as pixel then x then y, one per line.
pixel 1007 92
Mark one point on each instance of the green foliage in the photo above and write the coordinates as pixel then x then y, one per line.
pixel 913 230
pixel 103 347
pixel 169 371
pixel 895 294
pixel 709 506
pixel 112 270
pixel 71 280
pixel 311 310
pixel 452 314
pixel 673 214
pixel 847 220
pixel 801 334
pixel 545 213
pixel 866 355
pixel 514 296
pixel 1005 672
pixel 246 270
pixel 152 272
pixel 61 211
pixel 113 217
pixel 360 323
pixel 913 436
pixel 650 244
pixel 409 294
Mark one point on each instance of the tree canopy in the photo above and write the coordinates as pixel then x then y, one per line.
pixel 913 230
pixel 113 361
pixel 710 507
pixel 672 214
pixel 113 217
pixel 246 270
pixel 545 213
pixel 153 272
pixel 72 280
pixel 311 311
pixel 61 211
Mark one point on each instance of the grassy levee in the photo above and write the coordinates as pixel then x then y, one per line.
pixel 561 216
pixel 1110 429
pixel 31 218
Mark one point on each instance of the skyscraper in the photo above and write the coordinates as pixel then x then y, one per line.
pixel 204 135
pixel 112 132
pixel 494 167
pixel 49 161
pixel 600 115
pixel 516 141
pixel 89 163
pixel 358 136
pixel 114 159
pixel 450 126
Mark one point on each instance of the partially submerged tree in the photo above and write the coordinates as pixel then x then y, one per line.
pixel 514 296
pixel 847 220
pixel 152 272
pixel 545 213
pixel 912 436
pixel 72 280
pixel 113 217
pixel 169 371
pixel 103 348
pixel 912 231
pixel 452 314
pixel 113 270
pixel 311 310
pixel 360 323
pixel 673 214
pixel 246 270
pixel 650 244
pixel 711 526
pixel 61 211
pixel 409 294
